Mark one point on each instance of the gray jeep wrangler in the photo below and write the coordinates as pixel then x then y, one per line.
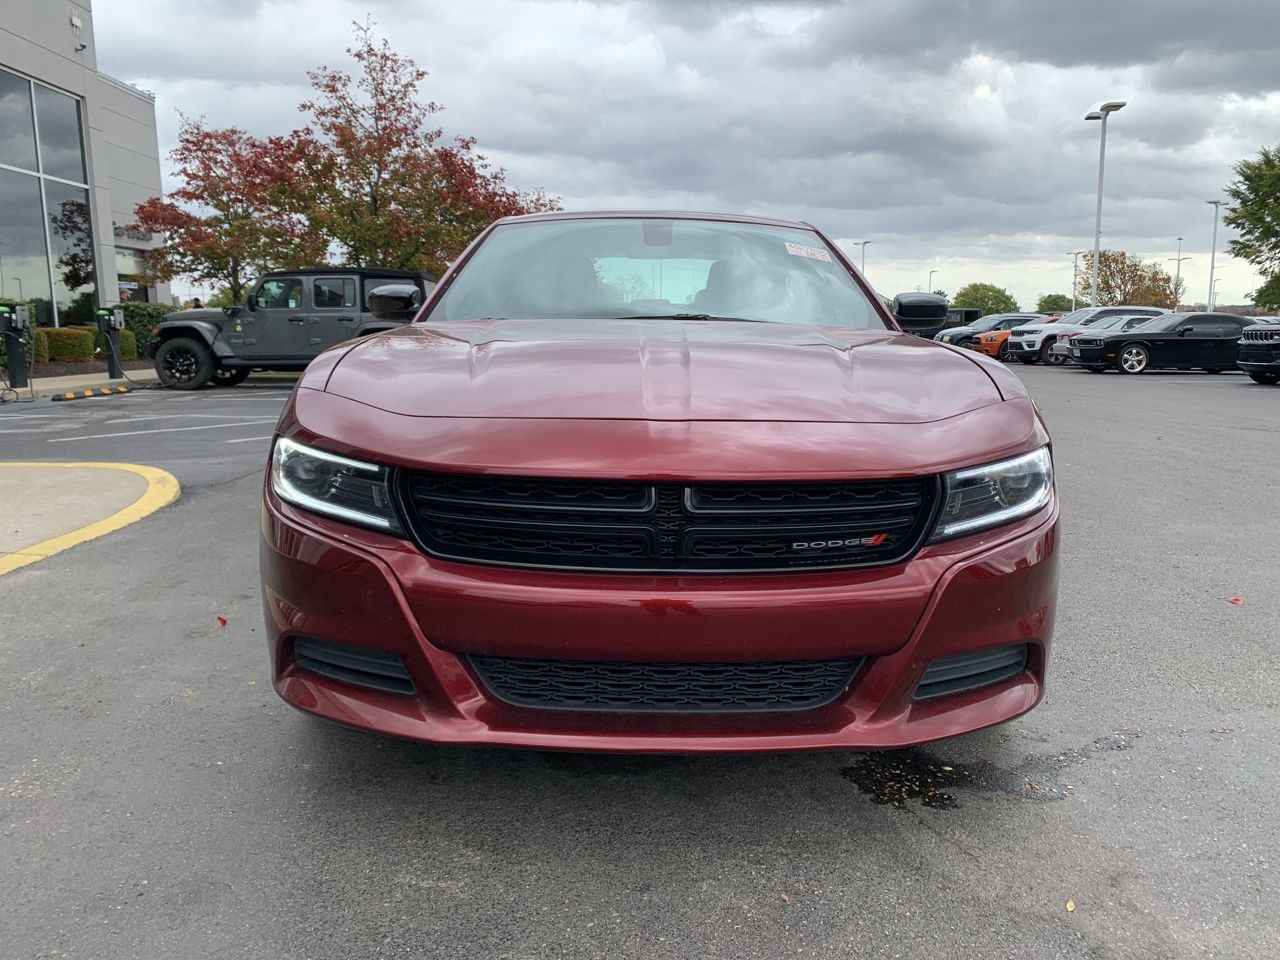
pixel 290 316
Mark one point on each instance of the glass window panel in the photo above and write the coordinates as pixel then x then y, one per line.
pixel 336 293
pixel 17 132
pixel 71 242
pixel 24 258
pixel 61 146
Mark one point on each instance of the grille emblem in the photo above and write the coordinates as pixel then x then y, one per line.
pixel 872 541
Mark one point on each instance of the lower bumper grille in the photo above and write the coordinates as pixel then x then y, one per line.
pixel 968 671
pixel 362 666
pixel 665 687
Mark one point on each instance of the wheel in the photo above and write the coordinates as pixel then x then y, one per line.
pixel 1133 358
pixel 1052 359
pixel 1094 368
pixel 229 376
pixel 1267 378
pixel 184 363
pixel 1002 354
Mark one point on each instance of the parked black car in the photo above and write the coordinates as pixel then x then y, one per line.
pixel 1175 340
pixel 1259 355
pixel 290 316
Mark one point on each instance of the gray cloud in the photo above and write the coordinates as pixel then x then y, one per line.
pixel 946 130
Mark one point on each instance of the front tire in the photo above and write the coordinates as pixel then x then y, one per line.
pixel 229 376
pixel 1048 358
pixel 184 363
pixel 1002 353
pixel 1133 358
pixel 1270 379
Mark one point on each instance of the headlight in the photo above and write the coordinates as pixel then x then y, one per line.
pixel 980 497
pixel 327 483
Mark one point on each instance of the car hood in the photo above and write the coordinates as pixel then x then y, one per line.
pixel 202 313
pixel 660 370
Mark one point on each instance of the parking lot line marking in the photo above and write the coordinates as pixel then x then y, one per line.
pixel 169 416
pixel 248 439
pixel 162 489
pixel 138 433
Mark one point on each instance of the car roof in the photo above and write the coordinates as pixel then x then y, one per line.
pixel 363 271
pixel 656 215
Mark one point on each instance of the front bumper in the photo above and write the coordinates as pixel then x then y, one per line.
pixel 336 583
pixel 1259 358
pixel 1023 349
pixel 1093 356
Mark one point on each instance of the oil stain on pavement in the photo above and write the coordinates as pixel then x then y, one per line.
pixel 896 777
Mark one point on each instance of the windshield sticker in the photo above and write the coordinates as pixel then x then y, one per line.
pixel 813 253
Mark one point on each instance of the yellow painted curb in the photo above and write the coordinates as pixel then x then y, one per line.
pixel 162 489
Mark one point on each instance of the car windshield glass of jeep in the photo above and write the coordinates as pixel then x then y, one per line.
pixel 595 269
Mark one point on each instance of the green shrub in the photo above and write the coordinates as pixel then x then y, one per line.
pixel 128 345
pixel 141 317
pixel 41 345
pixel 69 344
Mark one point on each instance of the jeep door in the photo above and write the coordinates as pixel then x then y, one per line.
pixel 335 311
pixel 277 326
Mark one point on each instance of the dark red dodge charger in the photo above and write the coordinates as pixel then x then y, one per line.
pixel 658 482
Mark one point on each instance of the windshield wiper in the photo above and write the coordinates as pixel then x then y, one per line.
pixel 688 316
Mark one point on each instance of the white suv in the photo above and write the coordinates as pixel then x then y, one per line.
pixel 1032 343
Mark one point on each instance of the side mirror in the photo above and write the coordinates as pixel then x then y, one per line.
pixel 251 302
pixel 1183 331
pixel 923 314
pixel 395 301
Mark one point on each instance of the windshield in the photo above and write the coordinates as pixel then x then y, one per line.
pixel 650 268
pixel 983 324
pixel 1076 316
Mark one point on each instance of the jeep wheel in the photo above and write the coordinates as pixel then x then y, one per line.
pixel 184 363
pixel 229 376
pixel 1267 378
pixel 1052 359
pixel 1133 359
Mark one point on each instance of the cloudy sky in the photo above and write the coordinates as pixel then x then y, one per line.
pixel 948 132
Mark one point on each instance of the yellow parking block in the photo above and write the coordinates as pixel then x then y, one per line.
pixel 119 509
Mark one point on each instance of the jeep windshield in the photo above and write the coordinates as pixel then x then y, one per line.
pixel 652 269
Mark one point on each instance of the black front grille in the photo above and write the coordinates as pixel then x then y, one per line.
pixel 363 666
pixel 700 527
pixel 627 687
pixel 967 671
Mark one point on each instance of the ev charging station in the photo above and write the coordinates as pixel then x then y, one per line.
pixel 110 323
pixel 13 328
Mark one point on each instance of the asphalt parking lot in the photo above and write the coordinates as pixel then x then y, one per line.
pixel 158 800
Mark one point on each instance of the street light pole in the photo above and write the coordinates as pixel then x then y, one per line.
pixel 1213 253
pixel 19 281
pixel 1103 111
pixel 929 286
pixel 1177 276
pixel 863 245
pixel 1075 272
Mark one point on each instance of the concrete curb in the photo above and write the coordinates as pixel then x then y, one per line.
pixel 162 489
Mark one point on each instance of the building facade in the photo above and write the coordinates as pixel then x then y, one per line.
pixel 78 151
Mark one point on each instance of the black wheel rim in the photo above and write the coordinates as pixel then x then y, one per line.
pixel 180 365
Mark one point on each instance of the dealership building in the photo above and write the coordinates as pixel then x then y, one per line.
pixel 78 152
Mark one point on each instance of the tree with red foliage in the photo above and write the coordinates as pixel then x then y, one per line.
pixel 378 183
pixel 230 220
